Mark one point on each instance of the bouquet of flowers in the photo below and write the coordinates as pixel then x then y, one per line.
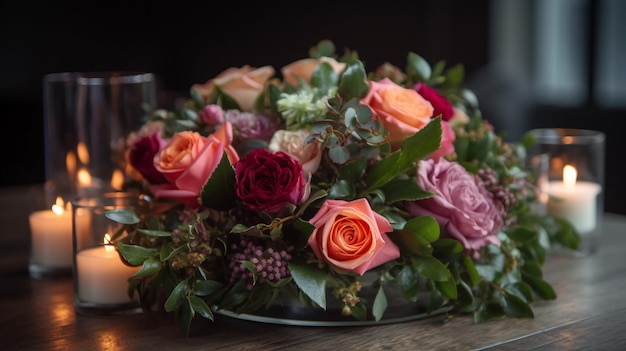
pixel 263 187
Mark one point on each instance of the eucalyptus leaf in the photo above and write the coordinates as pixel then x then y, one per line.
pixel 124 216
pixel 380 304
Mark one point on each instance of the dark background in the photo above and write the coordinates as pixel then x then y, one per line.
pixel 190 42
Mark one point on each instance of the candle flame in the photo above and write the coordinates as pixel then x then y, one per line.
pixel 569 175
pixel 83 154
pixel 84 177
pixel 108 245
pixel 57 208
pixel 70 163
pixel 117 179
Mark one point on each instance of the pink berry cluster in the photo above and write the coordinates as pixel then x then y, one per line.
pixel 269 264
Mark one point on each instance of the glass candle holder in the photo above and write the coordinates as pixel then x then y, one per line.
pixel 100 274
pixel 87 118
pixel 575 186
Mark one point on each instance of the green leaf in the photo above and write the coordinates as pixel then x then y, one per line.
pixel 177 296
pixel 134 254
pixel 414 148
pixel 516 307
pixel 219 191
pixel 417 68
pixel 324 78
pixel 471 270
pixel 380 304
pixel 199 306
pixel 150 267
pixel 155 233
pixel 342 189
pixel 124 216
pixel 404 190
pixel 353 83
pixel 431 268
pixel 447 288
pixel 426 226
pixel 311 281
pixel 521 290
pixel 540 287
pixel 206 287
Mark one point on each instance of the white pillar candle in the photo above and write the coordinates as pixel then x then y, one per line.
pixel 574 200
pixel 102 276
pixel 51 236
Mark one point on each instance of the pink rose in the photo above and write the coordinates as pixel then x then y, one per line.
pixel 463 207
pixel 266 181
pixel 244 84
pixel 303 69
pixel 212 115
pixel 441 105
pixel 351 237
pixel 247 125
pixel 189 160
pixel 402 111
pixel 293 143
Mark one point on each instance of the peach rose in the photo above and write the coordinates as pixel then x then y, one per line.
pixel 351 237
pixel 244 84
pixel 304 68
pixel 188 161
pixel 292 143
pixel 403 111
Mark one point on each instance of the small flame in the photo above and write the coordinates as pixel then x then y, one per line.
pixel 108 245
pixel 83 154
pixel 569 176
pixel 70 163
pixel 84 177
pixel 57 208
pixel 117 179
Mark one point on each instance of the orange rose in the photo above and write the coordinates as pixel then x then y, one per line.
pixel 189 160
pixel 244 84
pixel 303 69
pixel 350 236
pixel 403 111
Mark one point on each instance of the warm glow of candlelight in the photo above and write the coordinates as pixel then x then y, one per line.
pixel 83 154
pixel 117 179
pixel 57 208
pixel 84 177
pixel 70 163
pixel 569 176
pixel 108 246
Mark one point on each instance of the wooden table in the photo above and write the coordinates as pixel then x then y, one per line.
pixel 38 314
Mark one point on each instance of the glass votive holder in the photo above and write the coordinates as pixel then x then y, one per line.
pixel 87 118
pixel 51 241
pixel 100 274
pixel 575 186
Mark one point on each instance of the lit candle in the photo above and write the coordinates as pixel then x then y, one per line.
pixel 51 236
pixel 574 200
pixel 102 276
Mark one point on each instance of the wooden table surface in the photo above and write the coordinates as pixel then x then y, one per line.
pixel 38 314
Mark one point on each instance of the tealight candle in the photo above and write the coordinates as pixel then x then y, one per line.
pixel 574 200
pixel 51 236
pixel 102 276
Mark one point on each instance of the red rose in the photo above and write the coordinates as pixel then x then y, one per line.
pixel 141 156
pixel 266 181
pixel 441 105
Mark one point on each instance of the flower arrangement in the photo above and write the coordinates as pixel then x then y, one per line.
pixel 263 187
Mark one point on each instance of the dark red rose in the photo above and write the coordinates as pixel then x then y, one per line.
pixel 142 155
pixel 266 181
pixel 441 105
